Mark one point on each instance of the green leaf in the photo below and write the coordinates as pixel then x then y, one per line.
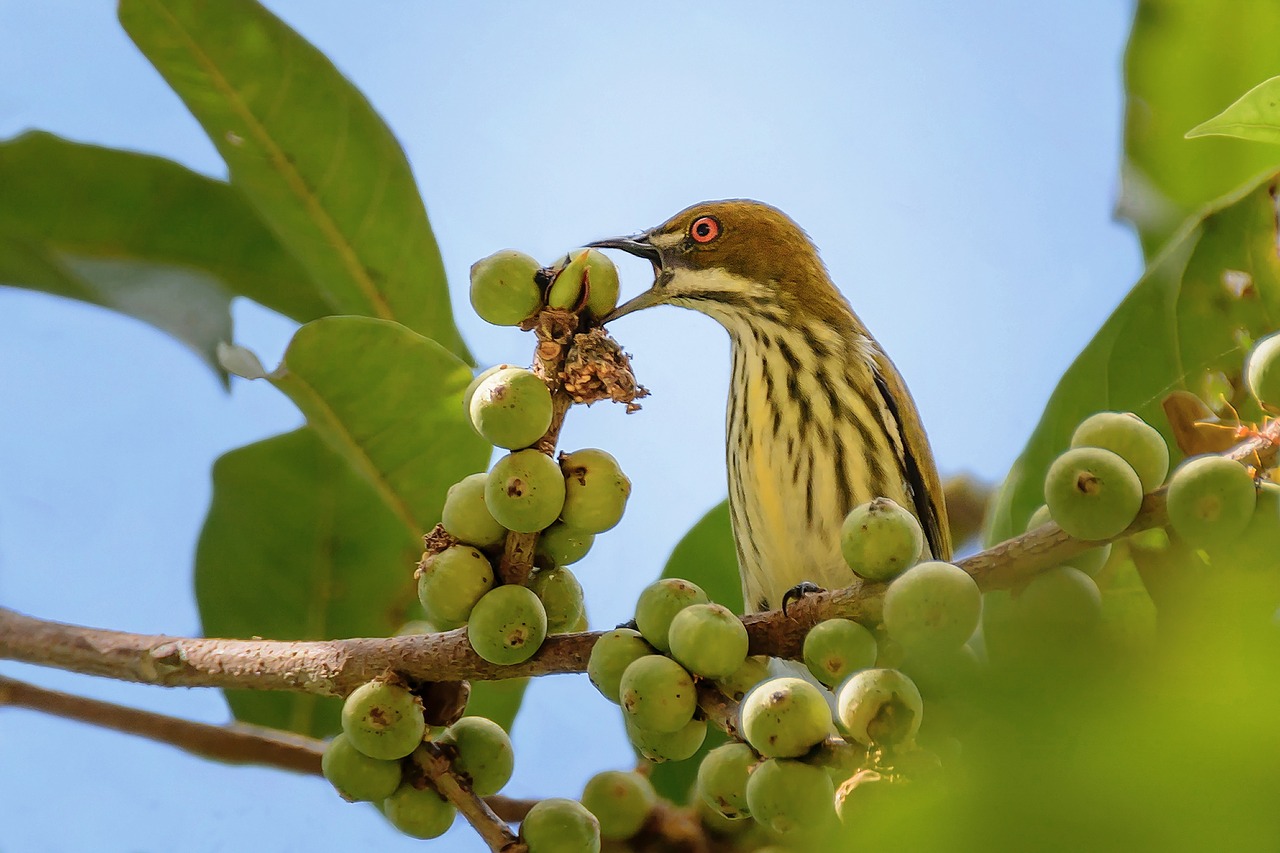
pixel 1193 315
pixel 309 153
pixel 140 235
pixel 1255 116
pixel 1186 58
pixel 390 402
pixel 297 546
pixel 706 556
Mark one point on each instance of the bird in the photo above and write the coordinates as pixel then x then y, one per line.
pixel 818 419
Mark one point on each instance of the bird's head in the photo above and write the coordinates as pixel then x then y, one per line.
pixel 732 260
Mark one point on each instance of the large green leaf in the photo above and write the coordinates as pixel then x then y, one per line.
pixel 390 402
pixel 308 151
pixel 297 546
pixel 1187 60
pixel 707 557
pixel 1191 316
pixel 140 235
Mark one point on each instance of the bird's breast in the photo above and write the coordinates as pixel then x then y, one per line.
pixel 804 445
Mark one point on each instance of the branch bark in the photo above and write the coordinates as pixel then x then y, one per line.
pixel 335 667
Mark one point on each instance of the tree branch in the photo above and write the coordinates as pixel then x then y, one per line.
pixel 238 743
pixel 335 667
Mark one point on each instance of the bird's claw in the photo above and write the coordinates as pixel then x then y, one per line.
pixel 798 592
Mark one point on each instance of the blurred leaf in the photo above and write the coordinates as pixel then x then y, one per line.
pixel 706 556
pixel 297 546
pixel 390 402
pixel 1255 116
pixel 1186 60
pixel 308 151
pixel 497 700
pixel 1194 313
pixel 140 235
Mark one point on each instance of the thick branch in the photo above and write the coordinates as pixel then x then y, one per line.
pixel 335 667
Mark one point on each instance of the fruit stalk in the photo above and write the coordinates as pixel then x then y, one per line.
pixel 437 768
pixel 554 330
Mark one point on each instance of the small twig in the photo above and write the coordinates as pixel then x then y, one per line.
pixel 238 743
pixel 487 824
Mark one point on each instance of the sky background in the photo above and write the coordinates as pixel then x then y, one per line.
pixel 957 166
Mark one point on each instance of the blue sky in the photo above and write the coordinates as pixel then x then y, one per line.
pixel 957 166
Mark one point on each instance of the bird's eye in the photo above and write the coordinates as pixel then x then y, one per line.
pixel 704 229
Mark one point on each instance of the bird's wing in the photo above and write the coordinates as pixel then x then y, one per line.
pixel 917 463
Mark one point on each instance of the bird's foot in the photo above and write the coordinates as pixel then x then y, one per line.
pixel 798 592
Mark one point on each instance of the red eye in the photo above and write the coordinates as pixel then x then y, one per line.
pixel 704 229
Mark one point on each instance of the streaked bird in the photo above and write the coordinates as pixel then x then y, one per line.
pixel 818 420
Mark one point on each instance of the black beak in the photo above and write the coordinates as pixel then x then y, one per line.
pixel 637 244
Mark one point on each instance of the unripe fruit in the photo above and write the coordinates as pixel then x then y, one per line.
pixel 503 289
pixel 612 653
pixel 558 825
pixel 563 545
pixel 658 694
pixel 452 581
pixel 880 707
pixel 1257 546
pixel 722 779
pixel 602 283
pixel 1210 500
pixel 356 776
pixel 658 605
pixel 1262 371
pixel 511 408
pixel 708 640
pixel 1090 562
pixel 567 291
pixel 596 490
pixel 466 517
pixel 507 625
pixel 667 746
pixel 561 597
pixel 1060 599
pixel 588 280
pixel 474 384
pixel 785 718
pixel 525 491
pixel 836 648
pixel 791 798
pixel 754 670
pixel 1132 439
pixel 419 812
pixel 484 753
pixel 880 539
pixel 621 801
pixel 383 720
pixel 1092 493
pixel 933 605
pixel 944 672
